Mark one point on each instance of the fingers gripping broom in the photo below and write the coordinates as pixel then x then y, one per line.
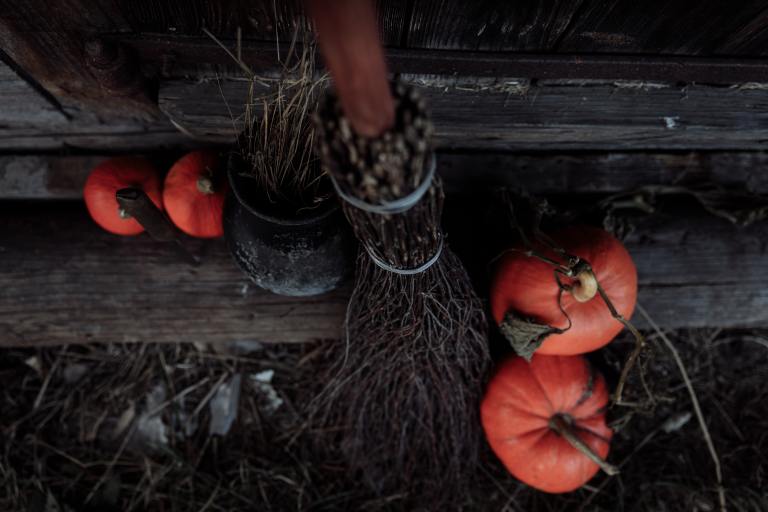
pixel 407 384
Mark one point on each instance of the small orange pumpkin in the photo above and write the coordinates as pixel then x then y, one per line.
pixel 194 194
pixel 109 177
pixel 543 418
pixel 526 286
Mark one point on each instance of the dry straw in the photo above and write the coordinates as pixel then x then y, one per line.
pixel 277 142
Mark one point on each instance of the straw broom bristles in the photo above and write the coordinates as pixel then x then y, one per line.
pixel 407 384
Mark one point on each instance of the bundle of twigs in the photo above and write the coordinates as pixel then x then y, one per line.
pixel 407 384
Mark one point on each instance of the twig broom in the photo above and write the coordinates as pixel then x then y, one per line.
pixel 407 384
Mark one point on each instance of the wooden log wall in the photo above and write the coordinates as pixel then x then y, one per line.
pixel 577 99
pixel 66 281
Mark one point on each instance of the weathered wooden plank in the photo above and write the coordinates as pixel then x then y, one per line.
pixel 65 281
pixel 751 39
pixel 513 115
pixel 181 57
pixel 260 20
pixel 45 177
pixel 28 121
pixel 112 138
pixel 63 177
pixel 679 26
pixel 603 173
pixel 683 27
pixel 22 105
pixel 53 43
pixel 489 25
pixel 705 271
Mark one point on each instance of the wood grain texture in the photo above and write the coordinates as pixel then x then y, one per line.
pixel 47 40
pixel 683 27
pixel 602 173
pixel 258 20
pixel 65 281
pixel 63 177
pixel 29 122
pixel 45 177
pixel 22 105
pixel 751 39
pixel 182 57
pixel 512 115
pixel 92 137
pixel 701 272
pixel 490 25
pixel 261 20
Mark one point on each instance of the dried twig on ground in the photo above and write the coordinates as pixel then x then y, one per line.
pixel 696 406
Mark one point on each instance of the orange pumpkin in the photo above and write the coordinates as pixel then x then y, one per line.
pixel 194 194
pixel 534 413
pixel 109 177
pixel 527 287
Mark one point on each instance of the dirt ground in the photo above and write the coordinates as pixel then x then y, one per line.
pixel 182 428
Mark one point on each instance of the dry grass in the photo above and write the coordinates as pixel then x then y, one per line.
pixel 65 449
pixel 276 147
pixel 279 139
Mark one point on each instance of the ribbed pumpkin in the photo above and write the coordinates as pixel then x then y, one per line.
pixel 109 177
pixel 526 286
pixel 194 193
pixel 529 412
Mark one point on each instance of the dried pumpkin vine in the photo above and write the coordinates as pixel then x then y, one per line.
pixel 526 336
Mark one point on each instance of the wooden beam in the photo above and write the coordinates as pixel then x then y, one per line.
pixel 66 281
pixel 54 45
pixel 520 116
pixel 180 55
pixel 29 121
pixel 45 177
pixel 63 177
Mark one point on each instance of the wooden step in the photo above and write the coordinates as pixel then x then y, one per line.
pixel 66 281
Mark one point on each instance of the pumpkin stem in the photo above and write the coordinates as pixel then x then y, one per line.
pixel 205 185
pixel 561 425
pixel 585 287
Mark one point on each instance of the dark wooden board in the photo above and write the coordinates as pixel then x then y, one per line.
pixel 684 27
pixel 490 25
pixel 30 122
pixel 45 177
pixel 701 272
pixel 514 115
pixel 63 177
pixel 47 42
pixel 660 26
pixel 260 20
pixel 111 138
pixel 603 173
pixel 181 57
pixel 22 105
pixel 66 281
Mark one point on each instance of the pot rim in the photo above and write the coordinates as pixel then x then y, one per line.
pixel 323 211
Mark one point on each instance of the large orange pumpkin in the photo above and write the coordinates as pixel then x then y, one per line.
pixel 109 177
pixel 527 287
pixel 194 194
pixel 533 413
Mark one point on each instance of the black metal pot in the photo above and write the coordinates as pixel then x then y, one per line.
pixel 306 254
